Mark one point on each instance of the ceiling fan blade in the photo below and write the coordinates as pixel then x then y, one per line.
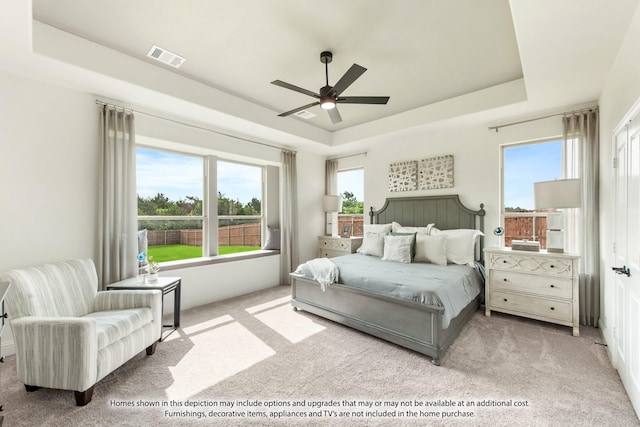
pixel 294 88
pixel 349 77
pixel 335 115
pixel 363 99
pixel 295 110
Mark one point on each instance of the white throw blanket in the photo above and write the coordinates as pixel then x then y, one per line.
pixel 324 271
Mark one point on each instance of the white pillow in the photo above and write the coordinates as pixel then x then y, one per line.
pixel 420 230
pixel 395 226
pixel 460 244
pixel 377 228
pixel 397 248
pixel 432 249
pixel 372 244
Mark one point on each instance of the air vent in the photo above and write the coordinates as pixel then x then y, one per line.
pixel 166 57
pixel 304 114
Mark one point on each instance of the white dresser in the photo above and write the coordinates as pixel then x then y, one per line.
pixel 332 246
pixel 538 285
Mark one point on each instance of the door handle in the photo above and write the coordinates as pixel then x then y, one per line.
pixel 622 270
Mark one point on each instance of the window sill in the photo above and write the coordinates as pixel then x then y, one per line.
pixel 197 262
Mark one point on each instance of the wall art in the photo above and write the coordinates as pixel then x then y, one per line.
pixel 435 172
pixel 403 176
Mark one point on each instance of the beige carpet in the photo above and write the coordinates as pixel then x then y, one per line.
pixel 255 350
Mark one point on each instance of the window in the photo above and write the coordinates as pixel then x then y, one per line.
pixel 174 208
pixel 170 203
pixel 351 188
pixel 239 207
pixel 522 165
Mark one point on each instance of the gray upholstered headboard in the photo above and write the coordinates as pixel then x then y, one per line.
pixel 446 212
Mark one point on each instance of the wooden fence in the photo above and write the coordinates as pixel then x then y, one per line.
pixel 231 235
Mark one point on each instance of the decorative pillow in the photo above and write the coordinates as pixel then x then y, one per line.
pixel 431 249
pixel 273 239
pixel 461 244
pixel 377 228
pixel 397 248
pixel 395 226
pixel 372 244
pixel 413 241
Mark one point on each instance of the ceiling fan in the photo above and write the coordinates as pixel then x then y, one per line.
pixel 329 96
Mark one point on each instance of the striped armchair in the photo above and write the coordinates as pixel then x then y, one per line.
pixel 68 335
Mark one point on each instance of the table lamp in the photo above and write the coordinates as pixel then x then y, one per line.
pixel 331 205
pixel 557 194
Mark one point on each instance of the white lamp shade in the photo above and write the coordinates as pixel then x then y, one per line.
pixel 557 194
pixel 332 203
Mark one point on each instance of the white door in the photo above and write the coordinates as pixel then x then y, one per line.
pixel 627 259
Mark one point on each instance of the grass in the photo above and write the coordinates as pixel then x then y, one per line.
pixel 177 252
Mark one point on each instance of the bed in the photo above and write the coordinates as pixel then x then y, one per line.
pixel 425 324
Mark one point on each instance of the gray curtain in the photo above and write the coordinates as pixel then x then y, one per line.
pixel 581 136
pixel 117 211
pixel 289 225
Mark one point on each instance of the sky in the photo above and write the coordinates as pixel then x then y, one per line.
pixel 352 181
pixel 178 176
pixel 526 164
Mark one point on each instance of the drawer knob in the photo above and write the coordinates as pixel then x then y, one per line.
pixel 504 261
pixel 505 300
pixel 552 286
pixel 552 266
pixel 504 280
pixel 552 308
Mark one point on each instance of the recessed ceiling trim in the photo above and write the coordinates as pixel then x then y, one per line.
pixel 166 57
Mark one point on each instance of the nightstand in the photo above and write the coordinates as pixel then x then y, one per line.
pixel 332 246
pixel 537 285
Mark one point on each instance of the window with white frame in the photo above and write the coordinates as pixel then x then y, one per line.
pixel 522 165
pixel 351 188
pixel 175 209
pixel 239 207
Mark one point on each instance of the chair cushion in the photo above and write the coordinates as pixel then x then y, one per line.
pixel 115 324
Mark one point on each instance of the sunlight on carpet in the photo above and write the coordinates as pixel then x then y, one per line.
pixel 203 326
pixel 269 304
pixel 289 324
pixel 225 351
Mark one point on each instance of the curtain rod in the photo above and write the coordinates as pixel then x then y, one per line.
pixel 129 110
pixel 543 117
pixel 364 153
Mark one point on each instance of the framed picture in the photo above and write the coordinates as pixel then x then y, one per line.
pixel 345 231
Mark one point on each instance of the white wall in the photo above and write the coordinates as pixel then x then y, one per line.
pixel 48 169
pixel 620 94
pixel 476 152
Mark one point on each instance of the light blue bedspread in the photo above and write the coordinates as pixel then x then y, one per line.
pixel 452 287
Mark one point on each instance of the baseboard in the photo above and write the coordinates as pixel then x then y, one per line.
pixel 8 348
pixel 604 333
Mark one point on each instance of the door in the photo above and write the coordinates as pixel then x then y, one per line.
pixel 627 255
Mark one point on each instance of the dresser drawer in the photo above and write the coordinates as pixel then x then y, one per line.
pixel 335 244
pixel 541 307
pixel 531 264
pixel 552 286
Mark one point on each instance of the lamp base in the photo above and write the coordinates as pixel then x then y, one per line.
pixel 555 250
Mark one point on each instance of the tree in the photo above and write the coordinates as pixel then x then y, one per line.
pixel 350 204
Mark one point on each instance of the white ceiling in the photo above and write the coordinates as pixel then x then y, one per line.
pixel 436 59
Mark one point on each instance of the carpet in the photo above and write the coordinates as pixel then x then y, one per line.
pixel 252 360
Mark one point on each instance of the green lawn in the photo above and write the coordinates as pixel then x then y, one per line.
pixel 176 252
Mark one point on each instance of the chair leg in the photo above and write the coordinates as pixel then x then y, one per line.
pixel 84 397
pixel 152 348
pixel 31 388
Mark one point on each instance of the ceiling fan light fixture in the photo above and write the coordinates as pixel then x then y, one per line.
pixel 328 104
